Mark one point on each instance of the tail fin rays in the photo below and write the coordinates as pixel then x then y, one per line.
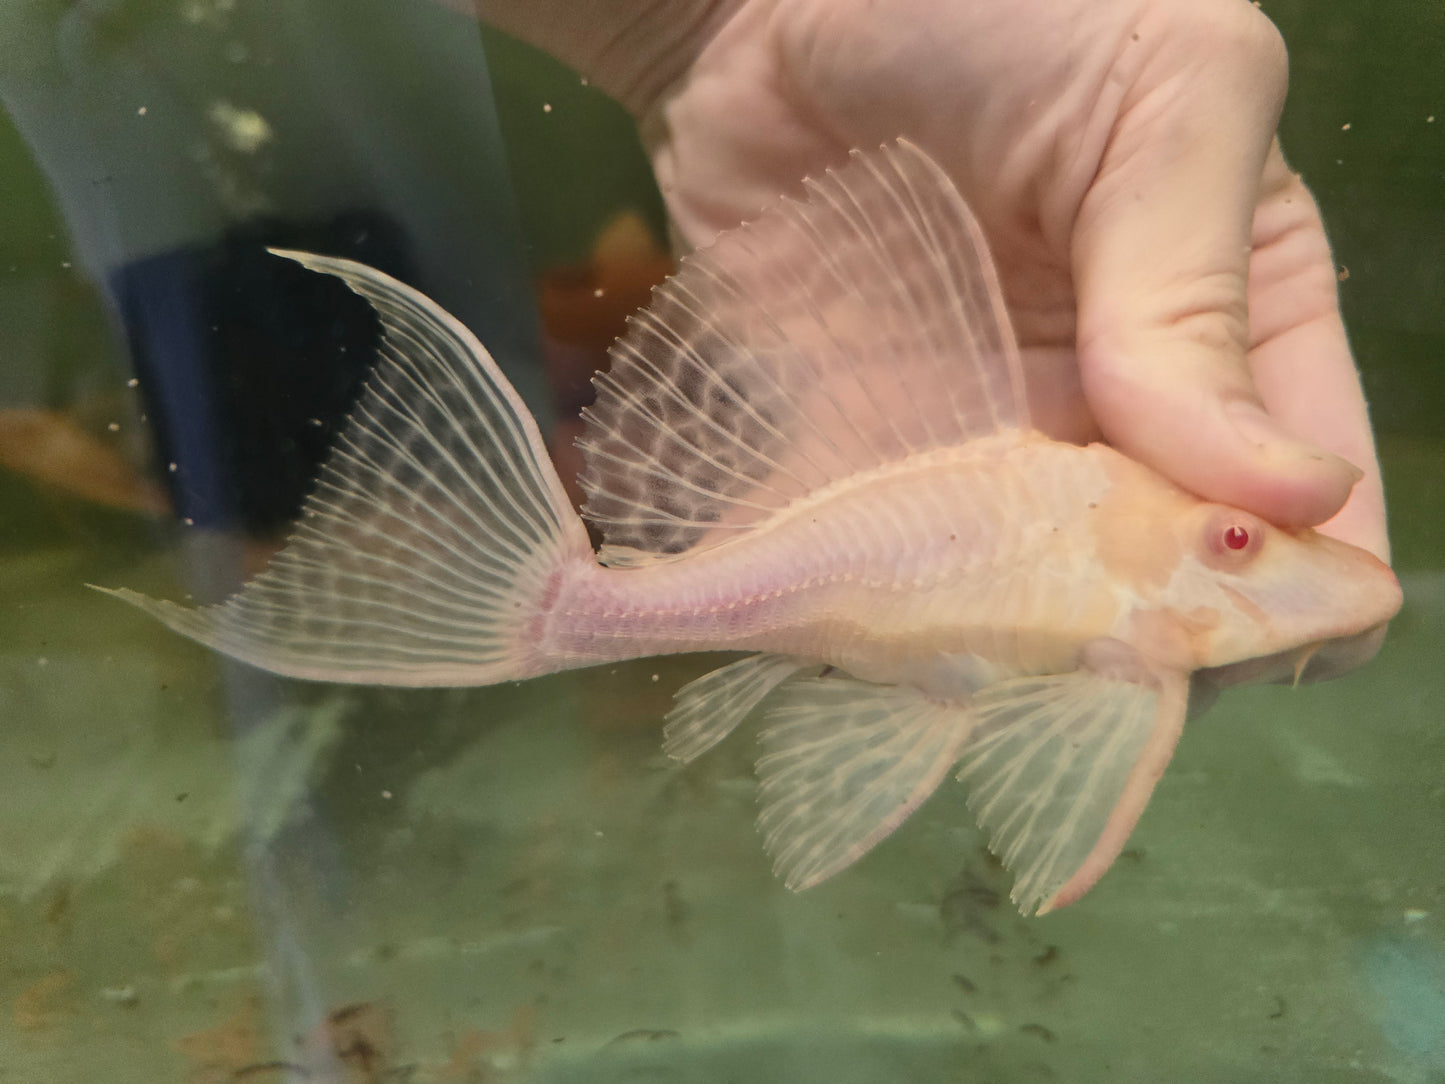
pixel 435 530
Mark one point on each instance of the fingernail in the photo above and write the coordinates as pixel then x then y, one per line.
pixel 1265 436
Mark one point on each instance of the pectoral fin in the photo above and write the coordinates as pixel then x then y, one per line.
pixel 845 762
pixel 1063 766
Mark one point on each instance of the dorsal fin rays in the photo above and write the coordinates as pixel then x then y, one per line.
pixel 664 385
pixel 801 358
pixel 980 311
pixel 678 291
pixel 853 371
pixel 872 452
pixel 857 327
pixel 865 226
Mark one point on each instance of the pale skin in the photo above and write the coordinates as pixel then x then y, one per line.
pixel 1168 274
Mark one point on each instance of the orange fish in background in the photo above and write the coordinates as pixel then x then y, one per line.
pixel 52 449
pixel 583 310
pixel 588 305
pixel 814 447
pixel 56 452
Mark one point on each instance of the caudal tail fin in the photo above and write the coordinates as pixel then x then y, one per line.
pixel 434 532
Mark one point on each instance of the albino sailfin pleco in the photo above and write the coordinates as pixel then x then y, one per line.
pixel 813 447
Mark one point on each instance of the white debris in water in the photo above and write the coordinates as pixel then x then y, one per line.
pixel 141 111
pixel 120 995
pixel 242 130
pixel 207 12
pixel 546 107
pixel 113 427
pixel 133 382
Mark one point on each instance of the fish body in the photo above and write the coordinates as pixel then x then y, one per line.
pixel 814 448
pixel 949 555
pixel 1001 558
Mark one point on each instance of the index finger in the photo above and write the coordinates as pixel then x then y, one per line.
pixel 1299 355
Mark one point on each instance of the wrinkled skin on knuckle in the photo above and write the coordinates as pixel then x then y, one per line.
pixel 1233 38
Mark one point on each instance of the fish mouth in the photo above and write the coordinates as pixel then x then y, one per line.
pixel 1319 660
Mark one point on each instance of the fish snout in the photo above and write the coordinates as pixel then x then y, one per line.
pixel 1369 594
pixel 1329 621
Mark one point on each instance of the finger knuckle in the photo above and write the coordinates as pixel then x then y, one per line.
pixel 1239 33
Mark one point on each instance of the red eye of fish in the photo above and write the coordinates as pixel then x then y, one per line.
pixel 1231 539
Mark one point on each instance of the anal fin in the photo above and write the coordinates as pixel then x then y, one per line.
pixel 845 762
pixel 1064 765
pixel 709 709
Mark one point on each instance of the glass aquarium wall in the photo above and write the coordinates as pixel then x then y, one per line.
pixel 211 874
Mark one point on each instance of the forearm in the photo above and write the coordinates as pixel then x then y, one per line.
pixel 630 49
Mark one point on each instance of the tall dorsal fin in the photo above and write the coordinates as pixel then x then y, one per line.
pixel 831 336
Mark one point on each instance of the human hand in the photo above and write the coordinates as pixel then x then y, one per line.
pixel 1168 275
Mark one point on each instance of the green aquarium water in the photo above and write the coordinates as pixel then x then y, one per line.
pixel 212 875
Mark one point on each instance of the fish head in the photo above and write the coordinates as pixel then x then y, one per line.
pixel 1248 601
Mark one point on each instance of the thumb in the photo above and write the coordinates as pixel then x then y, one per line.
pixel 1161 264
